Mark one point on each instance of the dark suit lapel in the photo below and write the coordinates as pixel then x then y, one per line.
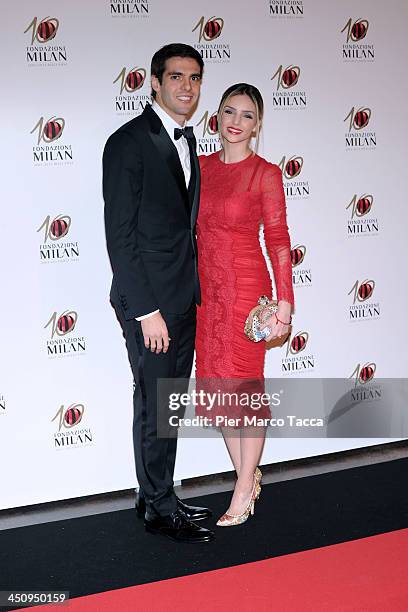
pixel 169 154
pixel 194 192
pixel 167 151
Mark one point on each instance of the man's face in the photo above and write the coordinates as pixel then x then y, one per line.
pixel 179 90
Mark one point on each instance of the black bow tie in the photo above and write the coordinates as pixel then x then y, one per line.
pixel 187 132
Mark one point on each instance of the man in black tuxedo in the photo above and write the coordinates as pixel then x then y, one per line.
pixel 151 183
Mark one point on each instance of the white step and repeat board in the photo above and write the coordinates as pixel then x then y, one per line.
pixel 333 78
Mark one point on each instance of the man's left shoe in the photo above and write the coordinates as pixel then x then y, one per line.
pixel 193 513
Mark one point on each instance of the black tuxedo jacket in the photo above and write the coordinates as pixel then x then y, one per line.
pixel 150 218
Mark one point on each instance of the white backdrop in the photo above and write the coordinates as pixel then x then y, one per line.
pixel 65 89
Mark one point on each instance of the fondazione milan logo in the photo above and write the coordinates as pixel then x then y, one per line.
pixel 358 118
pixel 301 277
pixel 209 30
pixel 360 206
pixel 292 167
pixel 296 359
pixel 357 136
pixel 361 221
pixel 56 229
pixel 69 434
pixel 286 8
pixel 63 324
pixel 130 99
pixel 43 31
pixel 54 248
pixel 49 130
pixel 356 47
pixel 362 307
pixel 362 291
pixel 363 374
pixel 208 45
pixel 131 80
pixel 62 341
pixel 284 97
pixel 356 31
pixel 365 387
pixel 69 417
pixel 43 49
pixel 210 124
pixel 130 8
pixel 297 255
pixel 286 77
pixel 208 141
pixel 298 343
pixel 48 151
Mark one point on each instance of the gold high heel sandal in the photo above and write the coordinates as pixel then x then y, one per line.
pixel 258 478
pixel 258 475
pixel 228 520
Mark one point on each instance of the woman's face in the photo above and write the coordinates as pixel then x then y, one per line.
pixel 238 119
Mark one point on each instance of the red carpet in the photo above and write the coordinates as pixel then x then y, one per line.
pixel 363 575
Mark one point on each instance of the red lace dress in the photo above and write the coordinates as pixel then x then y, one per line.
pixel 235 199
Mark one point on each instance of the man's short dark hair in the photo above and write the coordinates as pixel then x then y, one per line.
pixel 159 59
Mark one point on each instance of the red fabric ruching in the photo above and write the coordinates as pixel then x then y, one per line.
pixel 232 268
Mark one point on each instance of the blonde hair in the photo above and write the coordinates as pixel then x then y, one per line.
pixel 244 89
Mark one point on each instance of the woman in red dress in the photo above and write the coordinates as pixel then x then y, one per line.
pixel 240 191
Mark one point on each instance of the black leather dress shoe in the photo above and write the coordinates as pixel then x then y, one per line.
pixel 177 527
pixel 193 513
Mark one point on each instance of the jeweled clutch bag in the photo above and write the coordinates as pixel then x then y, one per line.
pixel 257 317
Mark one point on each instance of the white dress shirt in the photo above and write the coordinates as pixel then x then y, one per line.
pixel 181 144
pixel 183 152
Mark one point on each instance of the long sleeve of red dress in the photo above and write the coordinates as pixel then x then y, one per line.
pixel 276 230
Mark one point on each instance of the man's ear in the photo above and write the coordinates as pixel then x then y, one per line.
pixel 155 83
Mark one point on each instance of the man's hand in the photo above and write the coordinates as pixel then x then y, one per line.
pixel 155 334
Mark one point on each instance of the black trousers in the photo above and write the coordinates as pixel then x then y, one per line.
pixel 155 457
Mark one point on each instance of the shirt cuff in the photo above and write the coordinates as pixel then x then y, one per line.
pixel 146 315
